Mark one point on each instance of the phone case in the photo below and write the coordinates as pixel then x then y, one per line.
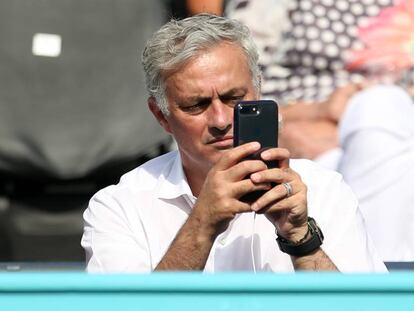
pixel 256 121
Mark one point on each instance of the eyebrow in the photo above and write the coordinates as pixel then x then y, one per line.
pixel 197 99
pixel 234 91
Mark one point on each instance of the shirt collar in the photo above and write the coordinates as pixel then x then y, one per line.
pixel 173 182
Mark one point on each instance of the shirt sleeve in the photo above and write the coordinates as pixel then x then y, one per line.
pixel 376 135
pixel 112 244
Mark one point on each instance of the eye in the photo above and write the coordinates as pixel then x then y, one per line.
pixel 196 108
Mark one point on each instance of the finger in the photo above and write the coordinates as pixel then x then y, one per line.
pixel 280 154
pixel 275 175
pixel 281 206
pixel 236 154
pixel 278 195
pixel 284 205
pixel 246 186
pixel 245 168
pixel 238 207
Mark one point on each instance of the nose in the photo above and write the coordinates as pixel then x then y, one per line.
pixel 220 116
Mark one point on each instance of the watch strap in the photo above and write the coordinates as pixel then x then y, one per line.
pixel 303 248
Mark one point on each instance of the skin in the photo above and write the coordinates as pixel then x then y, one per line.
pixel 201 96
pixel 203 6
pixel 309 130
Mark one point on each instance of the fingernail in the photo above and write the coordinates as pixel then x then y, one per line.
pixel 255 177
pixel 255 207
pixel 265 155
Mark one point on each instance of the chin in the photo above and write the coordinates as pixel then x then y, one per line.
pixel 214 158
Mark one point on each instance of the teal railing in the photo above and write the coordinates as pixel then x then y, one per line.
pixel 198 292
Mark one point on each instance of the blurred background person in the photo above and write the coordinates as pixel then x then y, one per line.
pixel 70 116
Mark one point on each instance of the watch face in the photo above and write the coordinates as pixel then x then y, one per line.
pixel 315 228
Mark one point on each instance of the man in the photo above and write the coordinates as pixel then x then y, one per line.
pixel 181 211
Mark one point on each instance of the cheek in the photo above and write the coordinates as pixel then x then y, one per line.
pixel 188 129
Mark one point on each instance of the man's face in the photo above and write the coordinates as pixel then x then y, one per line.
pixel 201 96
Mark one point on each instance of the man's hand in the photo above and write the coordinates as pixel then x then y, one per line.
pixel 218 202
pixel 287 212
pixel 287 209
pixel 216 206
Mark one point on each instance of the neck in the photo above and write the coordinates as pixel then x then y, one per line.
pixel 195 179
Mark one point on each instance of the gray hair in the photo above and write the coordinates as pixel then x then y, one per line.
pixel 180 40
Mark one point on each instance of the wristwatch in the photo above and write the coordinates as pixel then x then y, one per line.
pixel 300 248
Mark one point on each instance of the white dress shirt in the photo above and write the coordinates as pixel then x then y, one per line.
pixel 129 226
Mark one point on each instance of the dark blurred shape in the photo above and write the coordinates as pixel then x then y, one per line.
pixel 73 115
pixel 177 9
pixel 400 265
pixel 42 266
pixel 180 9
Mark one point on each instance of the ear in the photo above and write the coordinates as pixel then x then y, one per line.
pixel 158 114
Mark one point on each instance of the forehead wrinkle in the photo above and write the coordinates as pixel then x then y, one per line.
pixel 197 77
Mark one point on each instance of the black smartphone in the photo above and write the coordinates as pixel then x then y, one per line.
pixel 256 120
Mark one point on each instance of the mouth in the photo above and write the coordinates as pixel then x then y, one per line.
pixel 225 142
